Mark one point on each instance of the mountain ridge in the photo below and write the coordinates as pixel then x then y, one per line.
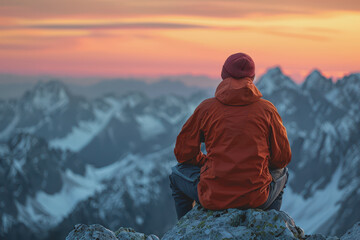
pixel 83 138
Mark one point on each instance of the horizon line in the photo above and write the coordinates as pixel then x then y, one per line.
pixel 34 78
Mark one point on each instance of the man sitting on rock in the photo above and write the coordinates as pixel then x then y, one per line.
pixel 246 143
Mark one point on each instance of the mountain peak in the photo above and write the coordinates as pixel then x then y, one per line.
pixel 274 79
pixel 316 72
pixel 316 81
pixel 351 80
pixel 53 86
pixel 47 96
pixel 275 70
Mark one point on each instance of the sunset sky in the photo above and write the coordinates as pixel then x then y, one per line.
pixel 142 38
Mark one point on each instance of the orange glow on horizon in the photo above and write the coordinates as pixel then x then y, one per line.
pixel 158 45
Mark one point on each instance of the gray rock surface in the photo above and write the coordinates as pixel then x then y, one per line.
pixel 234 224
pixel 130 234
pixel 98 232
pixel 202 224
pixel 92 232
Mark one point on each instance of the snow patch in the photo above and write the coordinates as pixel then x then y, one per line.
pixel 150 126
pixel 82 134
pixel 47 210
pixel 76 188
pixel 17 166
pixel 313 212
pixel 47 101
pixel 139 220
pixel 50 209
pixel 10 128
pixel 7 222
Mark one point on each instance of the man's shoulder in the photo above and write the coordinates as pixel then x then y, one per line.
pixel 206 103
pixel 267 105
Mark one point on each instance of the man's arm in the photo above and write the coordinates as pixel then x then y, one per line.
pixel 188 142
pixel 280 152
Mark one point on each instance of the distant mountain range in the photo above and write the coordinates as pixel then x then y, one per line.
pixel 67 158
pixel 182 85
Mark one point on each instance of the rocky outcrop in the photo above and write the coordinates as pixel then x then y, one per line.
pixel 235 224
pixel 98 232
pixel 202 224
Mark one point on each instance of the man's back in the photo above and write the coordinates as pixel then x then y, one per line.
pixel 244 138
pixel 243 134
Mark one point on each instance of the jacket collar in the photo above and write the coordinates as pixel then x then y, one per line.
pixel 233 91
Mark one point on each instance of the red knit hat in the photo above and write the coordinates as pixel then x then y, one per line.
pixel 238 65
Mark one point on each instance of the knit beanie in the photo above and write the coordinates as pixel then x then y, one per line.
pixel 238 65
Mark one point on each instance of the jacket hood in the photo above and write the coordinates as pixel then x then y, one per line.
pixel 237 91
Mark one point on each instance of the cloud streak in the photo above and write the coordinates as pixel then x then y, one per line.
pixel 312 37
pixel 113 37
pixel 316 34
pixel 105 26
pixel 204 8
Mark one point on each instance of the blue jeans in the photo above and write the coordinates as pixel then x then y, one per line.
pixel 183 183
pixel 185 178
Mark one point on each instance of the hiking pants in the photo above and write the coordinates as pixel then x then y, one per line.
pixel 185 178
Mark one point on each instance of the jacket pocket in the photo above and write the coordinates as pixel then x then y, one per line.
pixel 207 171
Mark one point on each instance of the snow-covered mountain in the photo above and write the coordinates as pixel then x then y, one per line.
pixel 58 150
pixel 66 159
pixel 323 124
pixel 100 130
pixel 31 174
pixel 13 86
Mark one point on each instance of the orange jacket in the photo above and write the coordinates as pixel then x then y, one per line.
pixel 244 137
